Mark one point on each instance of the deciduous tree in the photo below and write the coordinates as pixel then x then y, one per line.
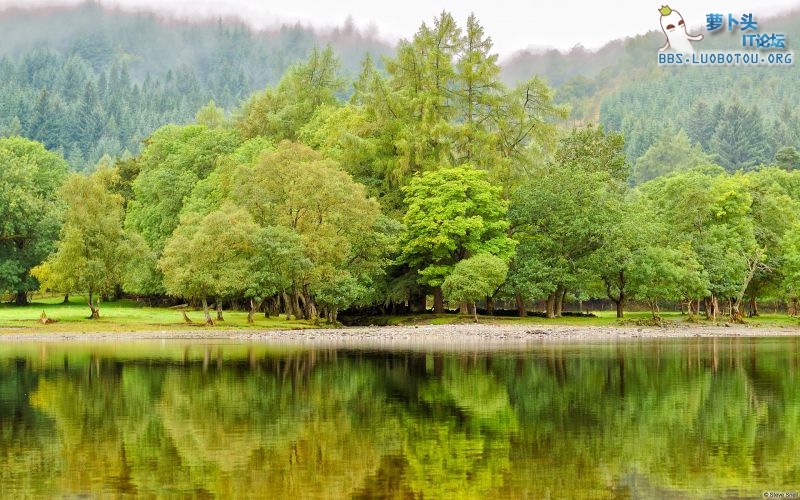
pixel 30 211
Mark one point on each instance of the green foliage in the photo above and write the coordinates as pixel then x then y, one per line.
pixel 338 290
pixel 89 81
pixel 173 161
pixel 562 215
pixel 671 153
pixel 592 149
pixel 92 249
pixel 740 140
pixel 211 116
pixel 338 226
pixel 279 259
pixel 787 157
pixel 659 273
pixel 440 103
pixel 209 256
pixel 790 250
pixel 453 213
pixel 281 112
pixel 30 210
pixel 474 278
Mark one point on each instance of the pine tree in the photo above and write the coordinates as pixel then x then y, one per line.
pixel 740 141
pixel 700 124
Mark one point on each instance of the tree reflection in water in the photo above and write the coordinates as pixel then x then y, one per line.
pixel 682 418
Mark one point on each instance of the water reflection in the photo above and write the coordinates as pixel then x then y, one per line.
pixel 672 418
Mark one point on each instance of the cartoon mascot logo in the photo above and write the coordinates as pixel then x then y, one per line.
pixel 673 26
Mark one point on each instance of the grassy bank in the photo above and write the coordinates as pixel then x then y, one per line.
pixel 128 315
pixel 125 315
pixel 603 318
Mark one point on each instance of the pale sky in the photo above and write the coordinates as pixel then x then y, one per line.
pixel 513 25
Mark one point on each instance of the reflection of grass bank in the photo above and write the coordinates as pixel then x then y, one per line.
pixel 125 315
pixel 128 315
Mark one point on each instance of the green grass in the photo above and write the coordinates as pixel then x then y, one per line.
pixel 604 318
pixel 125 315
pixel 128 315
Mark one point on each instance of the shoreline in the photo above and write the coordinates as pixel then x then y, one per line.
pixel 467 335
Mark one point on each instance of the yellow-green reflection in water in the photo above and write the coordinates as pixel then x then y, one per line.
pixel 672 418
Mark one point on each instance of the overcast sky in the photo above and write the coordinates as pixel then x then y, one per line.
pixel 513 25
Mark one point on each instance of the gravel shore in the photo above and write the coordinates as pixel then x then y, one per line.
pixel 467 335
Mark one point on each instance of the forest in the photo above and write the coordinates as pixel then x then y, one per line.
pixel 423 179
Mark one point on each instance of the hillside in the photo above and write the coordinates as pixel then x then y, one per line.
pixel 621 86
pixel 89 80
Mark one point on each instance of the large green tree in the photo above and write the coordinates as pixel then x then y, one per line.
pixel 474 278
pixel 562 215
pixel 340 227
pixel 278 260
pixel 453 214
pixel 174 160
pixel 279 113
pixel 92 249
pixel 30 211
pixel 209 256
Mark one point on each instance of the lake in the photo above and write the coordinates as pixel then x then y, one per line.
pixel 667 418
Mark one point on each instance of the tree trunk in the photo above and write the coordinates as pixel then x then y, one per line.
pixel 551 306
pixel 287 305
pixel 559 306
pixel 753 307
pixel 463 308
pixel 219 310
pixel 275 305
pixel 206 313
pixel 489 306
pixel 66 298
pixel 95 310
pixel 714 308
pixel 311 308
pixel 267 305
pixel 475 311
pixel 522 311
pixel 438 300
pixel 252 313
pixel 736 313
pixel 793 306
pixel 298 311
pixel 619 301
pixel 21 298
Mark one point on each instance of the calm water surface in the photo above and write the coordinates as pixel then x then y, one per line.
pixel 673 418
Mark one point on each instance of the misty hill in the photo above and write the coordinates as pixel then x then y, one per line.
pixel 88 80
pixel 621 86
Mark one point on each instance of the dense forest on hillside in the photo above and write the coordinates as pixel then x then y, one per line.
pixel 88 81
pixel 425 179
pixel 621 87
